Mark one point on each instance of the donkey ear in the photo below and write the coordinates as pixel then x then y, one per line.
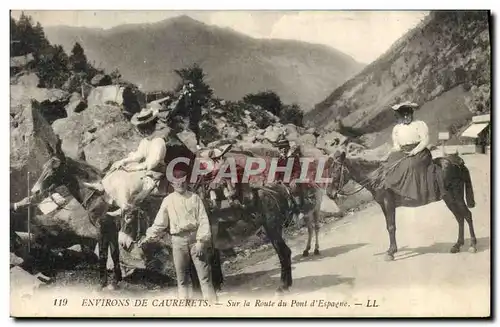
pixel 50 149
pixel 58 151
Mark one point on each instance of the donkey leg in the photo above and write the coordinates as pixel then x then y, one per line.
pixel 452 204
pixel 284 255
pixel 316 232
pixel 467 215
pixel 473 240
pixel 115 254
pixel 309 236
pixel 103 254
pixel 389 209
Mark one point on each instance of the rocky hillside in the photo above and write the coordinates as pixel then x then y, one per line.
pixel 443 64
pixel 235 64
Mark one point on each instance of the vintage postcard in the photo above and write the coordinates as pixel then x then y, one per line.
pixel 250 163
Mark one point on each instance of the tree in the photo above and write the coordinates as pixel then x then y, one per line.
pixel 52 66
pixel 194 75
pixel 268 100
pixel 27 37
pixel 292 114
pixel 115 76
pixel 194 93
pixel 78 60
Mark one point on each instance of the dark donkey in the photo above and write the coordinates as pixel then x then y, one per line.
pixel 370 175
pixel 62 171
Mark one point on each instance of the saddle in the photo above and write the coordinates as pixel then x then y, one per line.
pixel 454 159
pixel 155 175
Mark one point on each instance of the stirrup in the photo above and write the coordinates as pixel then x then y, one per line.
pixel 96 186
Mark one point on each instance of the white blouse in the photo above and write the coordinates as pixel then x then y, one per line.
pixel 151 151
pixel 415 132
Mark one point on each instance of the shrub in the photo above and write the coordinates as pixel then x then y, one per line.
pixel 292 114
pixel 268 100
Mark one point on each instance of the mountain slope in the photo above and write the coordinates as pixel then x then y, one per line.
pixel 446 57
pixel 235 64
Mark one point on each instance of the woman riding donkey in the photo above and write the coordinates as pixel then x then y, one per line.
pixel 410 172
pixel 131 179
pixel 409 178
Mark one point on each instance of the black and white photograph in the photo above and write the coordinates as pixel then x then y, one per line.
pixel 250 163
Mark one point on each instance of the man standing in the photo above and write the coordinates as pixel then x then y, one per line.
pixel 183 213
pixel 296 188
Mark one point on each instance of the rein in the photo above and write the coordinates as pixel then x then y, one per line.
pixel 342 175
pixel 367 181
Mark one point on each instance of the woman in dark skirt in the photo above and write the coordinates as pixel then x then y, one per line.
pixel 410 172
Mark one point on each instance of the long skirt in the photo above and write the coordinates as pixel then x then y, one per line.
pixel 413 177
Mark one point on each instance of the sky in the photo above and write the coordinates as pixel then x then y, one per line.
pixel 364 35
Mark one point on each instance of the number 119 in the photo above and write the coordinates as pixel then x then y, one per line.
pixel 60 302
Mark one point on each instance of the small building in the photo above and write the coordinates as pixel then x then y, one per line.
pixel 478 133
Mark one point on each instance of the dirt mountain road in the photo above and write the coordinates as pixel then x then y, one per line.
pixel 425 279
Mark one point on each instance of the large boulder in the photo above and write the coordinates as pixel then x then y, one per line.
pixel 330 139
pixel 292 132
pixel 76 104
pixel 130 98
pixel 15 260
pixel 380 153
pixel 22 284
pixel 50 102
pixel 329 206
pixel 189 139
pixel 29 80
pixel 101 80
pixel 307 140
pixel 63 220
pixel 101 132
pixel 31 142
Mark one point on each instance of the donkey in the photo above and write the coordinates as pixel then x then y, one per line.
pixel 369 175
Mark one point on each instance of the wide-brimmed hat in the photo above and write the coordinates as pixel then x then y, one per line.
pixel 146 115
pixel 404 105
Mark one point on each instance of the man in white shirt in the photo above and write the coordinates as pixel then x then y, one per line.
pixel 183 214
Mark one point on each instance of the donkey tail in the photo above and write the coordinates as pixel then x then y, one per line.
pixel 469 192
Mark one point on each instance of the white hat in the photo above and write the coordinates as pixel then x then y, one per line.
pixel 409 104
pixel 145 116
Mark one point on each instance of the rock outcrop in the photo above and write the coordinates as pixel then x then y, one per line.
pixel 31 143
pixel 101 133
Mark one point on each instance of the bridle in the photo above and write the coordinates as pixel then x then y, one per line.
pixel 343 172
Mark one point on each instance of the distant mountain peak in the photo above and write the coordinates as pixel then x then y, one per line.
pixel 443 64
pixel 235 64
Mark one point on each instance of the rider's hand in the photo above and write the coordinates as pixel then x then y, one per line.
pixel 117 165
pixel 125 240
